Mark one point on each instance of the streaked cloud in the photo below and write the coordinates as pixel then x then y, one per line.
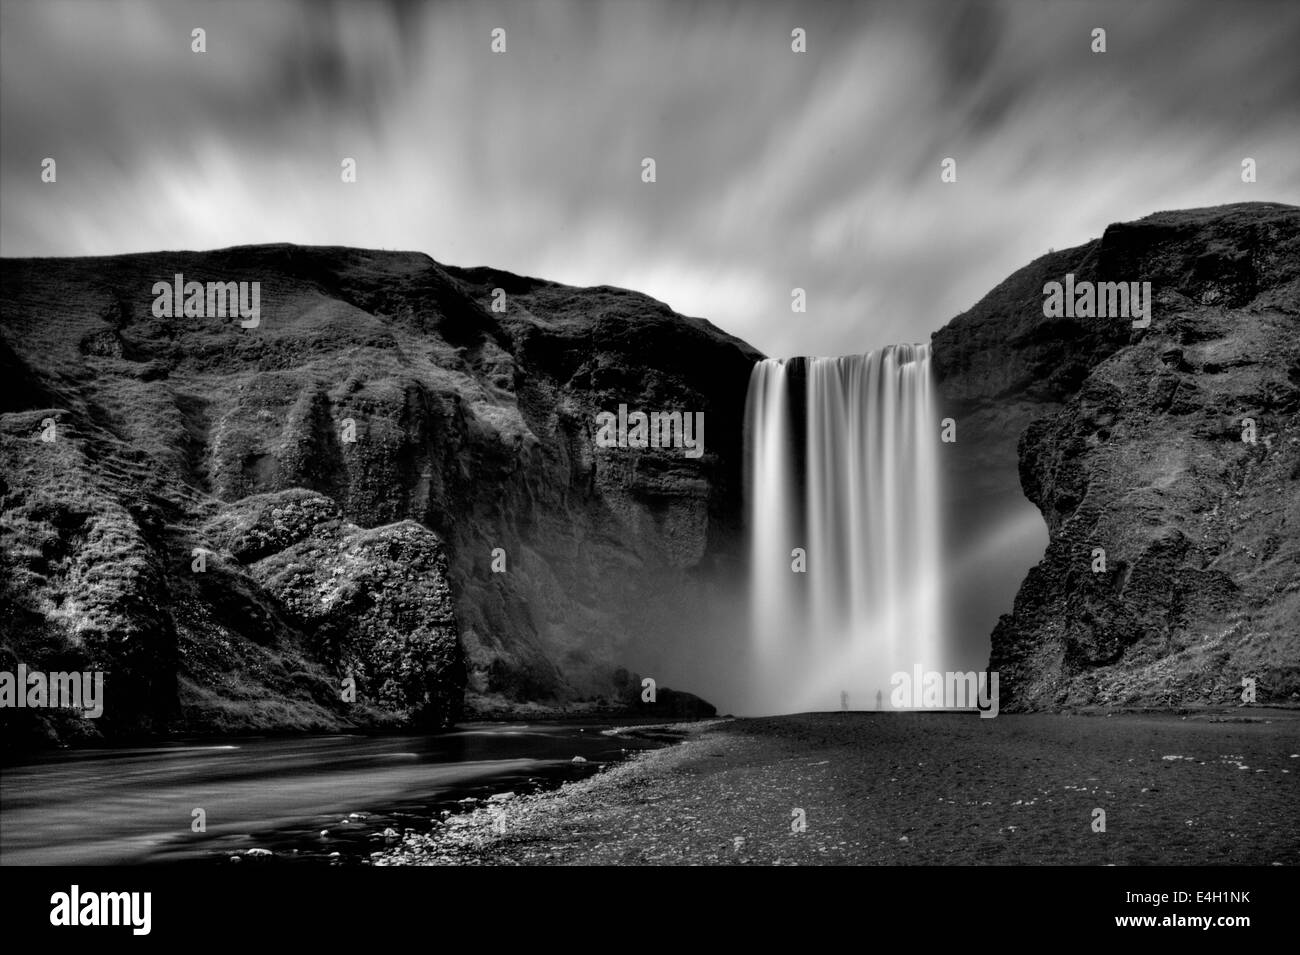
pixel 776 170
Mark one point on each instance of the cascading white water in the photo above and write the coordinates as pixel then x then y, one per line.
pixel 841 466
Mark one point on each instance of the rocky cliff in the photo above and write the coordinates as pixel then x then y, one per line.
pixel 1165 462
pixel 392 478
pixel 392 484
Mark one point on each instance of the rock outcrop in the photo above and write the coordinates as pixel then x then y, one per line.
pixel 376 601
pixel 1165 462
pixel 393 476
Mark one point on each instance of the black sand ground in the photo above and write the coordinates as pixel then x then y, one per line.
pixel 1213 788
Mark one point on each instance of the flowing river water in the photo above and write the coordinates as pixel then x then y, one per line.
pixel 137 804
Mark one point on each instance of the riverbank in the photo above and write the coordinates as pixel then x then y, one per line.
pixel 1212 788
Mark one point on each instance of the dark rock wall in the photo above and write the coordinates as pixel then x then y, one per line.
pixel 1130 440
pixel 474 430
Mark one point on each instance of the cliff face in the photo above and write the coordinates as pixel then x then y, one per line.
pixel 392 481
pixel 387 478
pixel 1165 462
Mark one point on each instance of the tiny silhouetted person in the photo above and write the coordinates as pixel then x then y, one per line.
pixel 844 699
pixel 880 699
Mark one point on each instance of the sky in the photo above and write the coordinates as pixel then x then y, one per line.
pixel 775 169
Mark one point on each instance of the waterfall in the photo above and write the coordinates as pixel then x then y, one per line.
pixel 841 469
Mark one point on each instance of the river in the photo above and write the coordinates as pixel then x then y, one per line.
pixel 133 805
